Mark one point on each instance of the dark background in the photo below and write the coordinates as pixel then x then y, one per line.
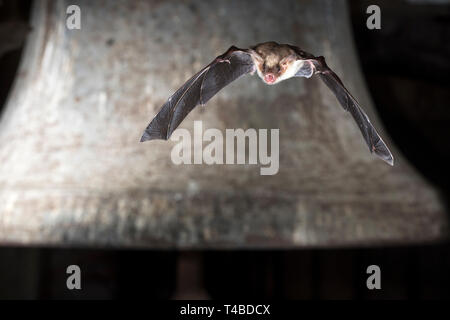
pixel 406 65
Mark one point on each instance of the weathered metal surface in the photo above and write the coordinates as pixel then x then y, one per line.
pixel 74 173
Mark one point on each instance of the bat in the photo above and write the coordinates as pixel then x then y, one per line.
pixel 273 63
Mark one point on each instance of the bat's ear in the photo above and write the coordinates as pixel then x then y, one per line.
pixel 256 56
pixel 288 60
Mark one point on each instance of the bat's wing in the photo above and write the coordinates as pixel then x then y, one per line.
pixel 317 65
pixel 198 90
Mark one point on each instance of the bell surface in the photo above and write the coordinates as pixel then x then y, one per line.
pixel 73 172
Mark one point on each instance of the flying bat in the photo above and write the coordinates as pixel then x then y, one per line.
pixel 273 63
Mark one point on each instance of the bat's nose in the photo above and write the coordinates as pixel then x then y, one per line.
pixel 269 78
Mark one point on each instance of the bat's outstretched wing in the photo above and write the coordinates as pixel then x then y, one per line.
pixel 317 65
pixel 198 90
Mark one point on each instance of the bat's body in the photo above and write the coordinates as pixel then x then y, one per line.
pixel 273 63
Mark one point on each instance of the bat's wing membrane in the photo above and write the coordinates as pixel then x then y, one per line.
pixel 349 103
pixel 198 90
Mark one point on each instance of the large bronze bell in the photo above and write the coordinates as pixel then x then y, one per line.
pixel 73 172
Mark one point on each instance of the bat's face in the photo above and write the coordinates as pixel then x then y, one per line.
pixel 274 62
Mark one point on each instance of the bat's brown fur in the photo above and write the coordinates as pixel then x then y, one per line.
pixel 273 54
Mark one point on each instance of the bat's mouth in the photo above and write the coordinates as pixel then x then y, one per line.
pixel 269 78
